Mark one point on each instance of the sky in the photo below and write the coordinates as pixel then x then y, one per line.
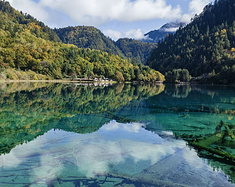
pixel 115 18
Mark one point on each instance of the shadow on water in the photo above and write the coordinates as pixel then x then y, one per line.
pixel 202 116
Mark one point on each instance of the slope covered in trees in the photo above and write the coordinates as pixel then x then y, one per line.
pixel 135 50
pixel 26 46
pixel 91 37
pixel 205 46
pixel 38 28
pixel 88 37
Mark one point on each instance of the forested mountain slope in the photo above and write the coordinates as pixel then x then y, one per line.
pixel 88 37
pixel 91 37
pixel 205 46
pixel 27 45
pixel 136 50
pixel 38 28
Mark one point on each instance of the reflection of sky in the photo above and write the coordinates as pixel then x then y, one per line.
pixel 115 144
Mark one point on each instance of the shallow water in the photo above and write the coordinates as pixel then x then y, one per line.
pixel 121 135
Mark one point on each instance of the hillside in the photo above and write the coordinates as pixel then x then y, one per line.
pixel 88 37
pixel 10 19
pixel 91 37
pixel 169 28
pixel 205 47
pixel 135 49
pixel 29 48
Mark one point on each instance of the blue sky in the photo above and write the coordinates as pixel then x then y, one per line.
pixel 115 18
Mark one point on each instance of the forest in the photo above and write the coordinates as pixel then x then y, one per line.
pixel 91 37
pixel 31 50
pixel 205 47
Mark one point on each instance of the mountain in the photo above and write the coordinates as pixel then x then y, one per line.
pixel 31 50
pixel 205 47
pixel 91 37
pixel 138 50
pixel 9 14
pixel 157 35
pixel 88 37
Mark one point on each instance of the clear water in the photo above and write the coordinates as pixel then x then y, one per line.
pixel 120 135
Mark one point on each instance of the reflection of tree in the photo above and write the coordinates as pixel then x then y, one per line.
pixel 17 86
pixel 178 90
pixel 27 114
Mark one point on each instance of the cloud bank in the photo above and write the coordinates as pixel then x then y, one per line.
pixel 195 7
pixel 94 12
pixel 133 33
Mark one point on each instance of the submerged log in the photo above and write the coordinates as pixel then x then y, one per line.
pixel 223 154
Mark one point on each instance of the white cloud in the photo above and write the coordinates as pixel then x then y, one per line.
pixel 115 35
pixel 30 7
pixel 94 12
pixel 195 7
pixel 133 33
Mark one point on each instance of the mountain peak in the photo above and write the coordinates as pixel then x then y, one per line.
pixel 172 26
pixel 159 34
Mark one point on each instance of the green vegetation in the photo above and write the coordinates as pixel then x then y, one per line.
pixel 28 45
pixel 205 46
pixel 11 20
pixel 178 75
pixel 91 37
pixel 136 50
pixel 88 37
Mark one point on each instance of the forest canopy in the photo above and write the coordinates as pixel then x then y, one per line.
pixel 205 46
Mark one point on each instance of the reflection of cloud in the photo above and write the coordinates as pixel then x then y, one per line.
pixel 92 153
pixel 192 159
pixel 9 160
pixel 132 127
pixel 48 168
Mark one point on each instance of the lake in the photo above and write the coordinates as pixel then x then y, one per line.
pixel 54 134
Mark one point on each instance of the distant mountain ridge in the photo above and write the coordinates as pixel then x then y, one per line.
pixel 169 28
pixel 88 37
pixel 93 38
pixel 135 50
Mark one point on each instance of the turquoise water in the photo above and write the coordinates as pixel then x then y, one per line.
pixel 118 135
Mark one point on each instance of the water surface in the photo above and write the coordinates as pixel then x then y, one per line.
pixel 121 135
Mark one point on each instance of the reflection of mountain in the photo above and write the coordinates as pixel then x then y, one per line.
pixel 28 114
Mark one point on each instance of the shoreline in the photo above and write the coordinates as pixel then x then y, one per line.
pixel 78 81
pixel 55 81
